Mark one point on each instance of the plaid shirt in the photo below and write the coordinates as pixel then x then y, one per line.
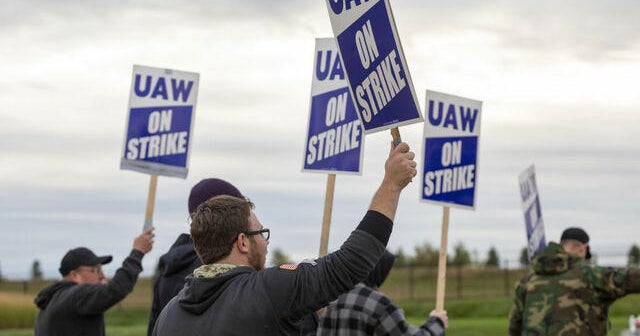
pixel 365 311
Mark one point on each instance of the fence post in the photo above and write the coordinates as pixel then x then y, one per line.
pixel 411 281
pixel 506 278
pixel 459 281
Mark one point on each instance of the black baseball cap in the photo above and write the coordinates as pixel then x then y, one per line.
pixel 578 234
pixel 81 256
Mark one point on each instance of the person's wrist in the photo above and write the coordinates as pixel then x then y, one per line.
pixel 389 185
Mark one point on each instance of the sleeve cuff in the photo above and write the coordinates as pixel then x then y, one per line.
pixel 378 225
pixel 136 255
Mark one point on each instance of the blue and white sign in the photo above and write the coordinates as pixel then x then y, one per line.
pixel 374 62
pixel 162 105
pixel 532 212
pixel 334 139
pixel 451 142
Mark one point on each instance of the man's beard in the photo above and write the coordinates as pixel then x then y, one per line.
pixel 255 259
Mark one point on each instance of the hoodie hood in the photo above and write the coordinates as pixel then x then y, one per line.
pixel 380 272
pixel 44 297
pixel 181 256
pixel 200 293
pixel 554 260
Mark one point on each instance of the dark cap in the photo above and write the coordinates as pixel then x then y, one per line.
pixel 208 188
pixel 81 256
pixel 579 235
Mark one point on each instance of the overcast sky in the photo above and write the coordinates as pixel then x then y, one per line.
pixel 558 82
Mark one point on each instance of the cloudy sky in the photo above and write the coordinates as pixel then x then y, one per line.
pixel 558 81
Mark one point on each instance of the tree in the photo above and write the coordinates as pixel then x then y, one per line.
pixel 426 255
pixel 461 256
pixel 524 258
pixel 633 258
pixel 278 257
pixel 493 260
pixel 401 258
pixel 36 272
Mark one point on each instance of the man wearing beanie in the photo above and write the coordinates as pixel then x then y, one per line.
pixel 567 295
pixel 366 311
pixel 181 259
pixel 76 304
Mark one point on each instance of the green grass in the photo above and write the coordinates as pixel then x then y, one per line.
pixel 477 301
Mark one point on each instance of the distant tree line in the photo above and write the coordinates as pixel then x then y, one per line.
pixel 428 255
pixel 424 255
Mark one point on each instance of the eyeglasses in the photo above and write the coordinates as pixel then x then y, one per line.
pixel 265 233
pixel 94 270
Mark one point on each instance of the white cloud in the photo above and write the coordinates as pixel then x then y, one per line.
pixel 557 81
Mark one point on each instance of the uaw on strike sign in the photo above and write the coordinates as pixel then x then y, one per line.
pixel 334 139
pixel 161 113
pixel 451 139
pixel 532 212
pixel 374 62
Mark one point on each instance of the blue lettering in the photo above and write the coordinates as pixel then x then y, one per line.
pixel 337 6
pixel 322 74
pixel 450 119
pixel 434 119
pixel 142 92
pixel 160 89
pixel 337 69
pixel 179 89
pixel 468 118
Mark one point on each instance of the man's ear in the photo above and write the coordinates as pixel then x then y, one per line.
pixel 73 276
pixel 242 244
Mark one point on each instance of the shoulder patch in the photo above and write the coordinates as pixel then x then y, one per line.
pixel 289 267
pixel 293 267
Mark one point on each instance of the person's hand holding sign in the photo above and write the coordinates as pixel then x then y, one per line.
pixel 144 242
pixel 400 169
pixel 400 165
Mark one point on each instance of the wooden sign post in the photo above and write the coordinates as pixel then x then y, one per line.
pixel 151 201
pixel 326 218
pixel 442 261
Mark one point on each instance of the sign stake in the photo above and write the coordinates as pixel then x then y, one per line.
pixel 395 133
pixel 326 219
pixel 151 200
pixel 442 261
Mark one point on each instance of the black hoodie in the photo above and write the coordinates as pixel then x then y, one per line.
pixel 272 301
pixel 173 268
pixel 69 309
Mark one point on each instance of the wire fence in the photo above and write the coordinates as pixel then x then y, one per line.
pixel 419 282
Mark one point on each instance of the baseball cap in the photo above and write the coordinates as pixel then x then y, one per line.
pixel 210 187
pixel 579 235
pixel 81 256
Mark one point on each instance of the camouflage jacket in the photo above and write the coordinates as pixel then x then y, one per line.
pixel 565 295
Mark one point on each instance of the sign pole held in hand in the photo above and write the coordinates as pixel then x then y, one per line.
pixel 442 261
pixel 326 218
pixel 395 134
pixel 158 132
pixel 151 201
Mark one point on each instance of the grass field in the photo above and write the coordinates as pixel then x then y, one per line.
pixel 478 303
